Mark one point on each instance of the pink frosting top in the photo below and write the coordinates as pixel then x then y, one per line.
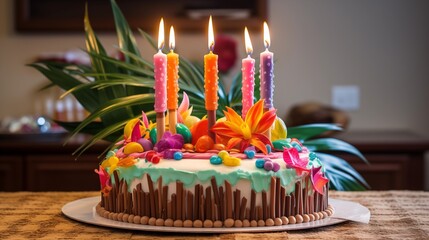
pixel 160 70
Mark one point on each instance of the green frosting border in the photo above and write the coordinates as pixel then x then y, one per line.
pixel 260 180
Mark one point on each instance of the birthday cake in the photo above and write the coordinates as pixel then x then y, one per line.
pixel 231 171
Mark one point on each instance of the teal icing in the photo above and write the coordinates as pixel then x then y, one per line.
pixel 260 180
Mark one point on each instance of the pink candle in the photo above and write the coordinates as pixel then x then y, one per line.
pixel 266 72
pixel 248 76
pixel 160 70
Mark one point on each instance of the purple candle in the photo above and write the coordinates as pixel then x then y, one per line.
pixel 266 72
pixel 248 76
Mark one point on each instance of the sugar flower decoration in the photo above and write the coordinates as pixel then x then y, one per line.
pixel 293 160
pixel 105 183
pixel 170 141
pixel 317 179
pixel 249 131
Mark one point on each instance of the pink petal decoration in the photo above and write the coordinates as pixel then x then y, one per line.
pixel 292 160
pixel 318 180
pixel 104 177
pixel 184 105
pixel 145 120
pixel 136 134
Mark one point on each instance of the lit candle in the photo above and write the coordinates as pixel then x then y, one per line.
pixel 160 70
pixel 266 72
pixel 211 81
pixel 172 83
pixel 248 76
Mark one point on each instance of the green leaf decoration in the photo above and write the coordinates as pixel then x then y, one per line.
pixel 115 91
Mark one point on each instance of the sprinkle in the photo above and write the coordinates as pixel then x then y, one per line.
pixel 260 163
pixel 178 156
pixel 268 165
pixel 249 153
pixel 215 160
pixel 155 159
pixel 150 155
pixel 222 154
pixel 276 167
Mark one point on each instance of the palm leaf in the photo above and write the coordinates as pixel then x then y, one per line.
pixel 341 174
pixel 308 131
pixel 332 144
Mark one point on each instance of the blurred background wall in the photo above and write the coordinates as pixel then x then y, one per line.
pixel 382 47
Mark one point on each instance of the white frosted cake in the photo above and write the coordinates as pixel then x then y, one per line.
pixel 184 182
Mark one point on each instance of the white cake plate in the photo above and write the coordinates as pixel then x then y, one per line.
pixel 83 210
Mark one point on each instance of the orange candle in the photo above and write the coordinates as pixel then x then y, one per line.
pixel 172 74
pixel 211 82
pixel 211 73
pixel 172 83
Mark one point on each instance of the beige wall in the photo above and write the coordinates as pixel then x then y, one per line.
pixel 382 46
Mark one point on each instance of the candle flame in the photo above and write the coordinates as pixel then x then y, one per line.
pixel 211 35
pixel 172 39
pixel 267 40
pixel 161 34
pixel 249 47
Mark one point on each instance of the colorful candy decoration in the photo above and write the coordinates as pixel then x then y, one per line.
pixel 224 157
pixel 146 144
pixel 203 144
pixel 280 144
pixel 183 130
pixel 292 159
pixel 215 160
pixel 178 156
pixel 152 135
pixel 133 147
pixel 278 130
pixel 267 164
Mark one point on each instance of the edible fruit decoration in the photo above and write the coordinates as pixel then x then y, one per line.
pixel 203 144
pixel 249 131
pixel 133 147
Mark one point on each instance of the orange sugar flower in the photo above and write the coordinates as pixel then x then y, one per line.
pixel 249 131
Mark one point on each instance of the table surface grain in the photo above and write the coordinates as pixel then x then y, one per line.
pixel 37 215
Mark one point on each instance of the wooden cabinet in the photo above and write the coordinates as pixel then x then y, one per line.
pixel 11 173
pixel 185 15
pixel 396 158
pixel 35 162
pixel 42 163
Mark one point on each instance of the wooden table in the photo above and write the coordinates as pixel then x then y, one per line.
pixel 394 215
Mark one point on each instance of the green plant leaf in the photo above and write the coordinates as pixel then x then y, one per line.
pixel 341 174
pixel 114 104
pixel 126 39
pixel 87 97
pixel 333 144
pixel 308 131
